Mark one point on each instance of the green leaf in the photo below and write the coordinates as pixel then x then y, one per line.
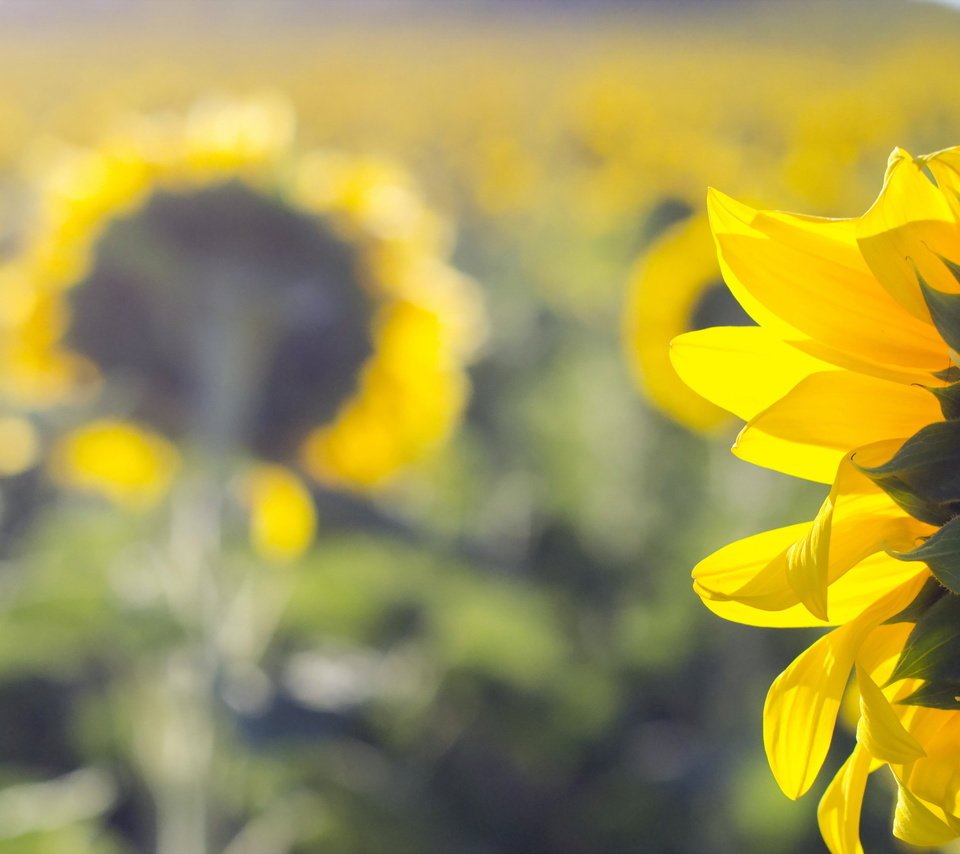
pixel 935 695
pixel 944 308
pixel 941 552
pixel 931 592
pixel 932 651
pixel 923 477
pixel 931 512
pixel 949 399
pixel 952 266
pixel 948 375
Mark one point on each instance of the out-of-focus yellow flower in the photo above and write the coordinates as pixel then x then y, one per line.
pixel 411 388
pixel 282 516
pixel 19 445
pixel 668 288
pixel 427 324
pixel 852 379
pixel 121 461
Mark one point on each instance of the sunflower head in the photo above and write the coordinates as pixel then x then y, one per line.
pixel 850 378
pixel 200 274
pixel 675 287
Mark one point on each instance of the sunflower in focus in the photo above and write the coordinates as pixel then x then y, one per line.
pixel 200 283
pixel 851 378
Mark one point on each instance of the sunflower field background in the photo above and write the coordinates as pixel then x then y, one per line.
pixel 348 497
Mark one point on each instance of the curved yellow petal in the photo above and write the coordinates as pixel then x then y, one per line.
pixel 871 367
pixel 778 569
pixel 919 823
pixel 751 571
pixel 856 520
pixel 804 277
pixel 708 358
pixel 802 704
pixel 825 415
pixel 945 167
pixel 879 730
pixel 857 589
pixel 808 559
pixel 801 709
pixel 936 778
pixel 908 226
pixel 935 729
pixel 880 655
pixel 838 813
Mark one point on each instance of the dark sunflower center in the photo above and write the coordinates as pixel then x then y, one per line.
pixel 225 314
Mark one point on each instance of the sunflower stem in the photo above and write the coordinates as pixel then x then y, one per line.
pixel 187 809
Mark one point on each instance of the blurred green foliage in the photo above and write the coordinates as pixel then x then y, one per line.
pixel 501 653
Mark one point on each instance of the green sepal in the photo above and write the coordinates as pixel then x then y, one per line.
pixel 944 308
pixel 935 695
pixel 931 592
pixel 923 477
pixel 952 266
pixel 948 397
pixel 948 375
pixel 932 650
pixel 931 512
pixel 941 552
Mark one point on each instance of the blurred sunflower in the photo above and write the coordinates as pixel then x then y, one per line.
pixel 197 280
pixel 851 379
pixel 675 287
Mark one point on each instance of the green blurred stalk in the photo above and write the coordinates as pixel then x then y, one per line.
pixel 226 356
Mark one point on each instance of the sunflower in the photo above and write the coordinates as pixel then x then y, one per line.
pixel 675 287
pixel 202 279
pixel 850 378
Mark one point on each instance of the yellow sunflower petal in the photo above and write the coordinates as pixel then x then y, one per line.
pixel 778 569
pixel 945 168
pixel 803 277
pixel 751 571
pixel 801 710
pixel 873 368
pixel 802 704
pixel 879 656
pixel 859 588
pixel 936 777
pixel 808 559
pixel 706 359
pixel 879 729
pixel 838 814
pixel 856 520
pixel 935 729
pixel 808 431
pixel 910 223
pixel 919 823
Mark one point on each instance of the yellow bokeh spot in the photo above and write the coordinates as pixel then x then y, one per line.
pixel 120 461
pixel 282 516
pixel 19 445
